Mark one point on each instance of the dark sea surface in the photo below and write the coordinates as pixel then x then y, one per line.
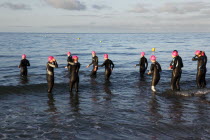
pixel 123 108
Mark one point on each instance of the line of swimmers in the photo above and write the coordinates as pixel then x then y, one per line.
pixel 73 66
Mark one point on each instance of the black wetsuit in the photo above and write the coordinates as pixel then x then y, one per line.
pixel 74 80
pixel 155 69
pixel 201 68
pixel 23 65
pixel 50 74
pixel 143 65
pixel 205 70
pixel 109 65
pixel 176 65
pixel 94 63
pixel 69 59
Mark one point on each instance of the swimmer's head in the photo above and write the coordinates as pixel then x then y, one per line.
pixel 50 58
pixel 23 56
pixel 198 52
pixel 75 58
pixel 142 54
pixel 153 58
pixel 93 53
pixel 68 53
pixel 174 54
pixel 106 56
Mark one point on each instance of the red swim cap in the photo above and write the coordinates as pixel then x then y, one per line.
pixel 142 53
pixel 23 56
pixel 93 52
pixel 197 52
pixel 75 57
pixel 153 58
pixel 175 53
pixel 106 56
pixel 50 58
pixel 68 53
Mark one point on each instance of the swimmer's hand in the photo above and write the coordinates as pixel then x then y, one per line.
pixel 149 73
pixel 87 66
pixel 18 66
pixel 66 67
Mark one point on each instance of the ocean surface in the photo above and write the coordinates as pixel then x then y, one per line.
pixel 123 108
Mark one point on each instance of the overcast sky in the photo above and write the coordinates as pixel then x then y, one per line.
pixel 104 16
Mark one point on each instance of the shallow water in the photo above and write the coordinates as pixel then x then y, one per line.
pixel 124 108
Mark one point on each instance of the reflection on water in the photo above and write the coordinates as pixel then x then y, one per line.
pixel 74 101
pixel 154 109
pixel 51 103
pixel 107 85
pixel 24 79
pixel 175 110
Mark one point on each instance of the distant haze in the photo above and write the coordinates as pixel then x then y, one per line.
pixel 104 16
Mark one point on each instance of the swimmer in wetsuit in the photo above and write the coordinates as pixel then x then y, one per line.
pixel 143 64
pixel 69 59
pixel 155 70
pixel 94 63
pixel 205 69
pixel 200 68
pixel 176 65
pixel 74 80
pixel 23 65
pixel 109 65
pixel 51 64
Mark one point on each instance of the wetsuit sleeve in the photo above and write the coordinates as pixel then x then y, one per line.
pixel 97 60
pixel 173 63
pixel 71 63
pixel 112 65
pixel 146 63
pixel 91 62
pixel 102 64
pixel 68 61
pixel 182 65
pixel 151 68
pixel 195 58
pixel 160 68
pixel 20 64
pixel 54 65
pixel 78 68
pixel 28 63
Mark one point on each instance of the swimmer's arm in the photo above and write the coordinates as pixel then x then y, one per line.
pixel 20 64
pixel 28 64
pixel 97 60
pixel 102 64
pixel 151 69
pixel 195 58
pixel 112 65
pixel 71 63
pixel 54 65
pixel 160 68
pixel 91 63
pixel 146 63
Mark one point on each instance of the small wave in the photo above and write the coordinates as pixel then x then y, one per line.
pixel 186 93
